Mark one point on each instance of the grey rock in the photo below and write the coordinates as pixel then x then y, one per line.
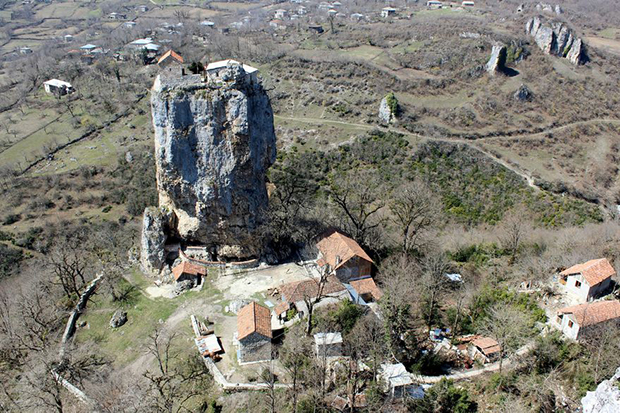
pixel 155 226
pixel 183 286
pixel 385 113
pixel 606 397
pixel 523 94
pixel 558 9
pixel 555 38
pixel 213 146
pixel 129 157
pixel 497 60
pixel 118 319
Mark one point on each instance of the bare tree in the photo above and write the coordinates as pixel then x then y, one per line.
pixel 359 196
pixel 414 210
pixel 432 284
pixel 314 294
pixel 514 229
pixel 508 326
pixel 294 356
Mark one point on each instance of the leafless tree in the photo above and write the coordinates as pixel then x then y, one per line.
pixel 508 326
pixel 414 210
pixel 294 356
pixel 313 295
pixel 514 229
pixel 432 284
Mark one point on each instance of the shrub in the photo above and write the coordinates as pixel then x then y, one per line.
pixel 444 397
pixel 11 219
pixel 9 260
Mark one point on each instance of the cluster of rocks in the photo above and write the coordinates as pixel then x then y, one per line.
pixel 386 113
pixel 549 8
pixel 555 38
pixel 213 145
pixel 606 397
pixel 523 94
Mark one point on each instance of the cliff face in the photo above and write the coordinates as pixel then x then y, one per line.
pixel 555 38
pixel 213 145
pixel 606 397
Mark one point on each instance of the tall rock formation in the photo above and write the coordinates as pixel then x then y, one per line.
pixel 606 397
pixel 497 60
pixel 555 38
pixel 214 141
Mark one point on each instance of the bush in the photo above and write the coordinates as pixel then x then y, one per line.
pixel 444 397
pixel 11 219
pixel 10 259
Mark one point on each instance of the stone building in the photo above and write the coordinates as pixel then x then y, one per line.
pixel 254 333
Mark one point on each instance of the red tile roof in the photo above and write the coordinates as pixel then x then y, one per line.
pixel 367 286
pixel 187 267
pixel 594 271
pixel 170 53
pixel 297 291
pixel 337 249
pixel 281 307
pixel 487 345
pixel 253 318
pixel 593 313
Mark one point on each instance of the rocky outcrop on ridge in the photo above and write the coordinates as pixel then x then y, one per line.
pixel 497 60
pixel 606 397
pixel 214 141
pixel 555 38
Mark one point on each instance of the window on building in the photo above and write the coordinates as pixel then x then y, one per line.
pixel 570 324
pixel 578 284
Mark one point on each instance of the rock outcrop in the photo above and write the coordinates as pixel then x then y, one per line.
pixel 555 38
pixel 523 94
pixel 388 108
pixel 497 60
pixel 214 141
pixel 118 319
pixel 606 397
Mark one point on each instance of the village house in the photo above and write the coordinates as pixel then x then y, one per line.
pixel 25 50
pixel 328 344
pixel 253 333
pixel 434 4
pixel 589 280
pixel 388 12
pixel 215 68
pixel 68 38
pixel 484 349
pixel 365 290
pixel 280 14
pixel 398 381
pixel 58 87
pixel 343 257
pixel 297 293
pixel 576 321
pixel 129 25
pixel 280 313
pixel 468 4
pixel 143 8
pixel 187 271
pixel 91 48
pixel 171 61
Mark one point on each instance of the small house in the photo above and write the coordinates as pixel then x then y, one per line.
pixel 434 4
pixel 129 25
pixel 366 290
pixel 207 23
pixel 280 312
pixel 214 69
pixel 468 4
pixel 357 17
pixel 328 344
pixel 171 60
pixel 68 38
pixel 388 12
pixel 89 48
pixel 143 8
pixel 343 257
pixel 397 379
pixel 484 349
pixel 280 14
pixel 588 280
pixel 188 271
pixel 58 87
pixel 576 321
pixel 298 292
pixel 254 333
pixel 316 29
pixel 25 50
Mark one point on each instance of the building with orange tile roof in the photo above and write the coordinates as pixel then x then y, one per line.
pixel 170 57
pixel 189 271
pixel 484 349
pixel 366 289
pixel 575 321
pixel 254 333
pixel 588 280
pixel 343 256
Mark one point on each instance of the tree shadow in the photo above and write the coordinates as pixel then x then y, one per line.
pixel 510 72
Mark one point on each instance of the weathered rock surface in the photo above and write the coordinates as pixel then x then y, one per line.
pixel 385 112
pixel 555 38
pixel 497 60
pixel 156 223
pixel 523 94
pixel 214 142
pixel 118 319
pixel 606 397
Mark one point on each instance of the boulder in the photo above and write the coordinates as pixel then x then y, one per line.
pixel 606 397
pixel 118 319
pixel 182 286
pixel 155 226
pixel 497 60
pixel 387 112
pixel 523 94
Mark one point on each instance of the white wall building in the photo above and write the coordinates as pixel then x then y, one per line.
pixel 589 280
